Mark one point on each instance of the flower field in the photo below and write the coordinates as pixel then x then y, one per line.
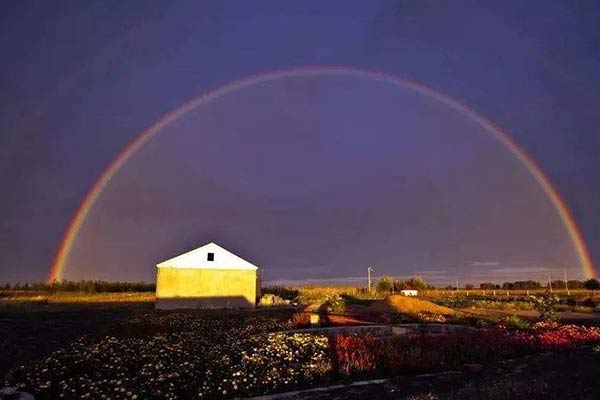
pixel 180 355
pixel 366 356
pixel 197 355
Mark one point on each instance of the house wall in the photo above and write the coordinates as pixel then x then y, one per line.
pixel 205 288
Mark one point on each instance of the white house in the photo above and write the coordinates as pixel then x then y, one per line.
pixel 409 292
pixel 207 277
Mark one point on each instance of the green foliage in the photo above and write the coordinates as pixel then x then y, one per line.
pixel 311 294
pixel 545 305
pixel 415 282
pixel 489 286
pixel 281 291
pixel 418 283
pixel 514 322
pixel 592 284
pixel 522 285
pixel 385 284
pixel 491 303
pixel 535 285
pixel 336 303
pixel 453 301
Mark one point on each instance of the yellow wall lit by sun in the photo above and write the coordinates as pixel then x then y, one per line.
pixel 205 288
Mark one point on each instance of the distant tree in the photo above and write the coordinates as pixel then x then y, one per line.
pixel 385 284
pixel 526 285
pixel 469 286
pixel 88 286
pixel 489 286
pixel 592 284
pixel 558 284
pixel 418 283
pixel 574 284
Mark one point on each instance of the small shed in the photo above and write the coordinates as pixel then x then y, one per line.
pixel 409 292
pixel 208 277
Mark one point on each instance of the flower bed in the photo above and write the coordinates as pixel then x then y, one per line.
pixel 366 355
pixel 181 355
pixel 195 355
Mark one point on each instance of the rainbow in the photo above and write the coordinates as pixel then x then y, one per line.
pixel 80 215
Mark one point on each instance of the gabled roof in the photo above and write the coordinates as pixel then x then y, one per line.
pixel 223 259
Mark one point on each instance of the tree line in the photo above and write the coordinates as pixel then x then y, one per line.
pixel 87 286
pixel 388 284
pixel 588 284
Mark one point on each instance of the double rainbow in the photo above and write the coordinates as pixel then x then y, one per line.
pixel 57 269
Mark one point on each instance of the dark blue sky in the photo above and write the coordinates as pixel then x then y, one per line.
pixel 81 80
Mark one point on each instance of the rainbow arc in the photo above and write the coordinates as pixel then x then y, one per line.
pixel 58 267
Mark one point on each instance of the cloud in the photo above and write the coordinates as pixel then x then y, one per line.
pixel 431 272
pixel 484 264
pixel 516 270
pixel 319 281
pixel 516 273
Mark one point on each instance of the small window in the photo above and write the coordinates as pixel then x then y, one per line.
pixel 210 257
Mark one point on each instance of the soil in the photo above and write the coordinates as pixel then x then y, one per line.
pixel 38 330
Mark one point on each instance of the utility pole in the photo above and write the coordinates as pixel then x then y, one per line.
pixel 457 285
pixel 566 283
pixel 369 270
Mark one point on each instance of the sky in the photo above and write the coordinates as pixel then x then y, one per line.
pixel 310 177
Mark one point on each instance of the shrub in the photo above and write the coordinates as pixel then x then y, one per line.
pixel 418 283
pixel 515 322
pixel 281 291
pixel 590 302
pixel 592 284
pixel 571 302
pixel 336 303
pixel 545 306
pixel 355 354
pixel 385 284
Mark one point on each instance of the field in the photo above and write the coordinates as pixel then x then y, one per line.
pixel 115 345
pixel 21 297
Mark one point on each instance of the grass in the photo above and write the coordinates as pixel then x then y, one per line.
pixel 73 297
pixel 310 294
pixel 12 302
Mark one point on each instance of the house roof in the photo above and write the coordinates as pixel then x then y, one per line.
pixel 198 258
